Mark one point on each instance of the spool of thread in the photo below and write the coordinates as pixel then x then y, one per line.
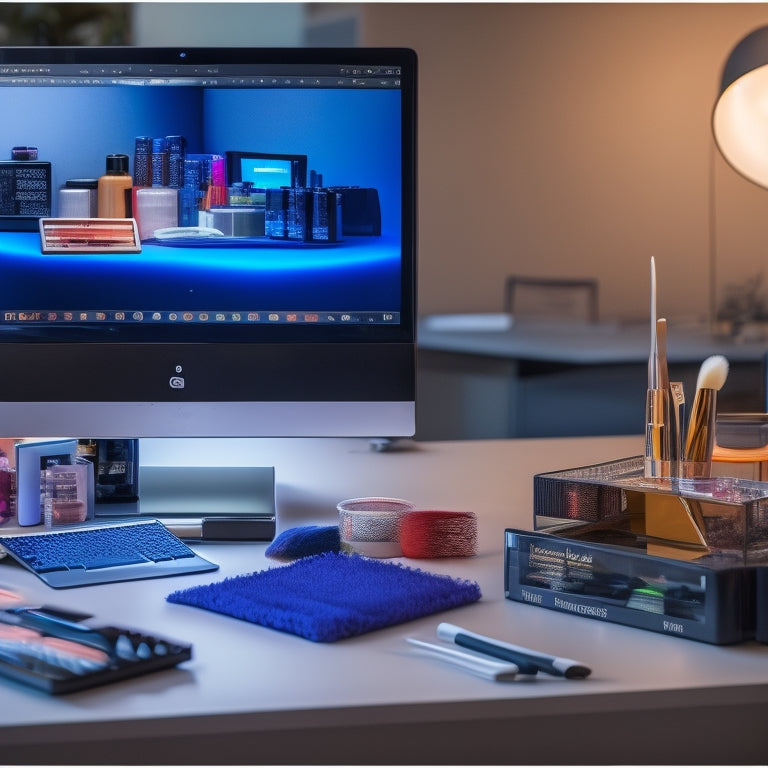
pixel 427 534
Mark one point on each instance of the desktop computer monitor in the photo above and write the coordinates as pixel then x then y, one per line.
pixel 268 287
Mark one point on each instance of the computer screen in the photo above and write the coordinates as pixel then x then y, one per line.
pixel 268 285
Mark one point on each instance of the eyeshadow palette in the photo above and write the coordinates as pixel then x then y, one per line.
pixel 54 651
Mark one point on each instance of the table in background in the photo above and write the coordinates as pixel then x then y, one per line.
pixel 252 695
pixel 540 379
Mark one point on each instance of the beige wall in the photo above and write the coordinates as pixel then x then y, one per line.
pixel 574 140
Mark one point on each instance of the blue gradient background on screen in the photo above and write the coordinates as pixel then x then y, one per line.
pixel 351 137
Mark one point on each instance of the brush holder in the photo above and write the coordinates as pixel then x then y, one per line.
pixel 682 556
pixel 692 470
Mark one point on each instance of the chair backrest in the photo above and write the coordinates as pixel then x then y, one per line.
pixel 551 298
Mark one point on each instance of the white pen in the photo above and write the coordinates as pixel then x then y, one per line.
pixel 528 661
pixel 490 670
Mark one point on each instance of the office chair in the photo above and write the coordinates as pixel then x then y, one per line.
pixel 551 298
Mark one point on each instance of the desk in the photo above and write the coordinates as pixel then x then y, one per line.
pixel 253 695
pixel 541 379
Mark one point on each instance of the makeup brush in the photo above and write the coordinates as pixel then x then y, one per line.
pixel 657 397
pixel 700 439
pixel 677 438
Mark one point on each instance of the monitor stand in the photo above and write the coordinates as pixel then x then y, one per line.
pixel 195 503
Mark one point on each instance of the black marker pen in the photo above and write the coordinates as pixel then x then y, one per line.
pixel 528 661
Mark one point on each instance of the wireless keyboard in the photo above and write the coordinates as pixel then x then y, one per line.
pixel 97 554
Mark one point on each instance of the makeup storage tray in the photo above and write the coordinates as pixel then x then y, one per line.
pixel 56 651
pixel 682 556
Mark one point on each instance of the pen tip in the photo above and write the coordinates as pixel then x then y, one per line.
pixel 577 672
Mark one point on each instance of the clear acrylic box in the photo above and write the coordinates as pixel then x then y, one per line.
pixel 685 557
pixel 718 521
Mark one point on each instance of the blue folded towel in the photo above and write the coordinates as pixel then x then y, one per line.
pixel 331 596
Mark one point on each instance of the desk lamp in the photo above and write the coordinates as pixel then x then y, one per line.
pixel 740 117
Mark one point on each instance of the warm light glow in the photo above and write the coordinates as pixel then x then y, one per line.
pixel 740 125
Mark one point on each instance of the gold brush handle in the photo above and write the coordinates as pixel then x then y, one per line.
pixel 657 434
pixel 700 440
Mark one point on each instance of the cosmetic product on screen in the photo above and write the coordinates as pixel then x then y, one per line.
pixel 191 193
pixel 657 445
pixel 78 199
pixel 142 161
pixel 24 153
pixel 156 208
pixel 176 155
pixel 160 162
pixel 25 184
pixel 114 189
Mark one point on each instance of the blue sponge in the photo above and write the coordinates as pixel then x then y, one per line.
pixel 304 541
pixel 331 596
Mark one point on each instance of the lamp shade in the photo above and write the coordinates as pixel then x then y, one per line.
pixel 740 117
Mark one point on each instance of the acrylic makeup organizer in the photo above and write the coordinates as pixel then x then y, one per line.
pixel 675 555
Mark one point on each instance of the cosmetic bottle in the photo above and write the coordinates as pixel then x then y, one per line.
pixel 114 189
pixel 142 162
pixel 160 162
pixel 78 199
pixel 156 208
pixel 176 155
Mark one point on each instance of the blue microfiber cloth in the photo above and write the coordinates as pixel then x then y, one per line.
pixel 331 596
pixel 303 541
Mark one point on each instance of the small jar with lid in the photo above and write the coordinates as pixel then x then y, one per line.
pixel 114 189
pixel 78 199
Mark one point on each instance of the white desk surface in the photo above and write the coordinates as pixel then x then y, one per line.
pixel 254 695
pixel 587 343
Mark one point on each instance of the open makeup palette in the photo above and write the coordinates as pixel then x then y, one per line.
pixel 57 652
